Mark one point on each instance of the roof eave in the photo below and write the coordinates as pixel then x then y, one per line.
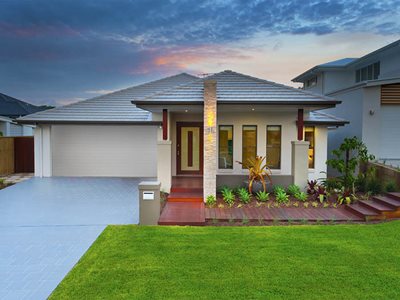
pixel 323 103
pixel 326 123
pixel 87 122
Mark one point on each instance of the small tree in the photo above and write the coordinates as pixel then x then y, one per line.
pixel 346 159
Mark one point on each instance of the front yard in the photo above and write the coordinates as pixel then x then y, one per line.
pixel 291 262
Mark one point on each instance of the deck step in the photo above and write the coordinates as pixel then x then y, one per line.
pixel 177 189
pixel 395 196
pixel 185 197
pixel 180 213
pixel 388 201
pixel 376 206
pixel 361 210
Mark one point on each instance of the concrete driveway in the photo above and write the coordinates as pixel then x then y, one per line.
pixel 47 224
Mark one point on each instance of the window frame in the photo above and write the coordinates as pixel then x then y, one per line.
pixel 243 126
pixel 219 145
pixel 280 146
pixel 314 148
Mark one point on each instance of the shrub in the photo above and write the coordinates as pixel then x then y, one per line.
pixel 227 195
pixel 311 186
pixel 262 196
pixel 211 200
pixel 374 186
pixel 278 189
pixel 258 171
pixel 320 193
pixel 281 196
pixel 244 195
pixel 293 189
pixel 346 159
pixel 301 196
pixel 390 186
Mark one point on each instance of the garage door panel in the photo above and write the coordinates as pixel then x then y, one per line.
pixel 97 150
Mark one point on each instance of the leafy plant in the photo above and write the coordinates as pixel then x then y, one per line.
pixel 211 200
pixel 281 196
pixel 244 195
pixel 258 171
pixel 390 186
pixel 293 189
pixel 301 196
pixel 344 196
pixel 278 189
pixel 314 204
pixel 306 204
pixel 331 183
pixel 228 196
pixel 296 204
pixel 320 193
pixel 262 196
pixel 311 186
pixel 346 159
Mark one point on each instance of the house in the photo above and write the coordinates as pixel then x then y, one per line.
pixel 10 109
pixel 188 126
pixel 369 88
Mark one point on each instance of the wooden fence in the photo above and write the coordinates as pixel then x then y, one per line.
pixel 384 173
pixel 16 155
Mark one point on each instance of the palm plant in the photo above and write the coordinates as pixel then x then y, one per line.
pixel 258 171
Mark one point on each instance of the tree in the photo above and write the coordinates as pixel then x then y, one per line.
pixel 346 159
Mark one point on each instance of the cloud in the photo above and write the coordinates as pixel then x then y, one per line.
pixel 62 49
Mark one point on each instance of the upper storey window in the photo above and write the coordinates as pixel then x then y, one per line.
pixel 311 82
pixel 369 72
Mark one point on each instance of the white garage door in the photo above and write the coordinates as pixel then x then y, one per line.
pixel 109 150
pixel 390 134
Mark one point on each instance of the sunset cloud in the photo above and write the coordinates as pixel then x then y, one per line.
pixel 62 49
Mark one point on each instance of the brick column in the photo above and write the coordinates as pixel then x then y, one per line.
pixel 210 138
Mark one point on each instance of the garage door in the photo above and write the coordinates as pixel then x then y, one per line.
pixel 97 150
pixel 390 134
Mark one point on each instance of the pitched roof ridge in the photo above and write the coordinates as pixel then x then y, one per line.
pixel 175 87
pixel 283 85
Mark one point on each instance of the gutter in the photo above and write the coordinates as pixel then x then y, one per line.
pixel 81 122
pixel 302 103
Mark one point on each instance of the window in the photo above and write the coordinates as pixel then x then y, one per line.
pixel 274 138
pixel 369 72
pixel 309 136
pixel 311 82
pixel 225 148
pixel 249 143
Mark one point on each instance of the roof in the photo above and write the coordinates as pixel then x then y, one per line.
pixel 321 118
pixel 114 107
pixel 236 88
pixel 13 108
pixel 341 63
pixel 338 63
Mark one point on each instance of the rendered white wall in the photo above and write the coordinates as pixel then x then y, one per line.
pixel 371 124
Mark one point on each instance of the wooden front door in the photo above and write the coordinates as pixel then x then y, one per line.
pixel 189 148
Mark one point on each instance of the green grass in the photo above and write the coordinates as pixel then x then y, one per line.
pixel 288 262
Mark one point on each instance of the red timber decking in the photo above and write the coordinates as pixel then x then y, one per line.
pixel 281 214
pixel 185 204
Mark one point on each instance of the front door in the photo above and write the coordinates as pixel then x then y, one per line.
pixel 189 148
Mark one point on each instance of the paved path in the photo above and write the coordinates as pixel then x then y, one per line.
pixel 47 224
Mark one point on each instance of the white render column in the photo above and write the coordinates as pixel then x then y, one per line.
pixel 164 165
pixel 43 157
pixel 300 163
pixel 210 138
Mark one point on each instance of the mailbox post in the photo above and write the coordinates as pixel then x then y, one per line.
pixel 149 202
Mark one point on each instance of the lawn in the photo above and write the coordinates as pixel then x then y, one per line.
pixel 284 262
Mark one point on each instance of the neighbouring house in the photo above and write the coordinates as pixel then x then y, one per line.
pixel 188 126
pixel 10 109
pixel 369 88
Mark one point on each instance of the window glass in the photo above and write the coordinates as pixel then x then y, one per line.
pixel 225 160
pixel 309 136
pixel 274 138
pixel 249 143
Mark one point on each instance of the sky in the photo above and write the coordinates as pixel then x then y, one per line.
pixel 61 51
